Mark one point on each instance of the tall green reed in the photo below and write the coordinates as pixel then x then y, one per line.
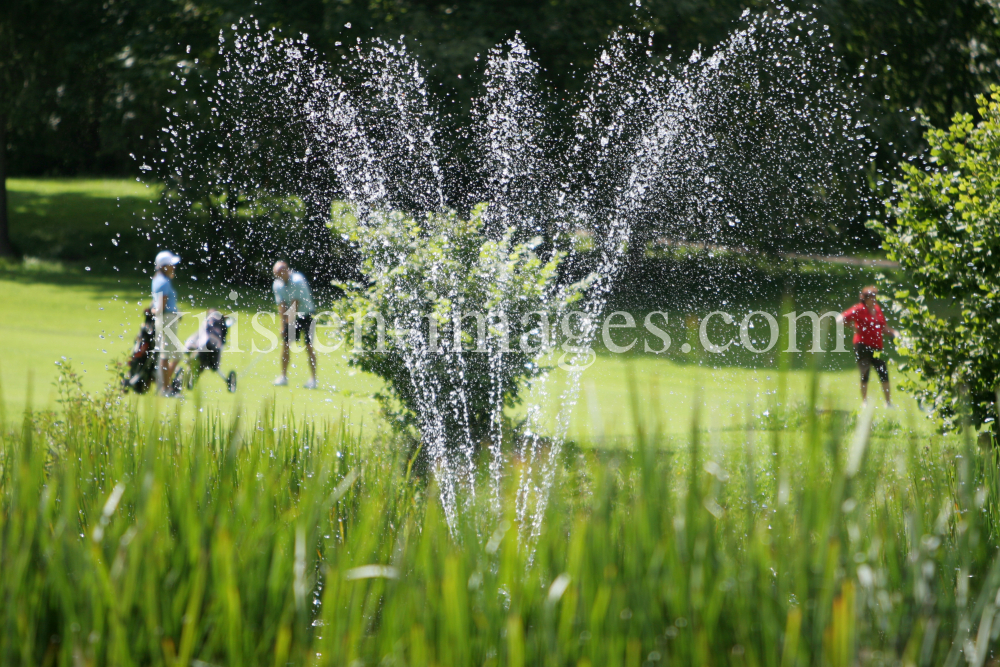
pixel 130 537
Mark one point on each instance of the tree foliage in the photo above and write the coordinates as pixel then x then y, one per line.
pixel 85 84
pixel 946 238
pixel 938 56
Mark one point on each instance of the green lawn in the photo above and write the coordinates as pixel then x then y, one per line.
pixel 51 314
pixel 90 322
pixel 96 222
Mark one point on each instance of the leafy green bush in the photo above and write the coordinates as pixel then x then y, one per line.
pixel 947 241
pixel 429 273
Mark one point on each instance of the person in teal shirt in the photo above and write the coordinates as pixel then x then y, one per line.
pixel 167 318
pixel 296 310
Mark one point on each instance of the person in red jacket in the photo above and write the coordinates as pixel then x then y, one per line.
pixel 869 329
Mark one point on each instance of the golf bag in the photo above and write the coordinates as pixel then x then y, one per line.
pixel 141 374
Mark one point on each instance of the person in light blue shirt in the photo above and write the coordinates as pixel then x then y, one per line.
pixel 164 308
pixel 296 310
pixel 165 288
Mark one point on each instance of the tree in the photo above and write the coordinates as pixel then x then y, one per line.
pixel 6 245
pixel 243 186
pixel 85 83
pixel 946 238
pixel 54 75
pixel 901 54
pixel 20 69
pixel 906 55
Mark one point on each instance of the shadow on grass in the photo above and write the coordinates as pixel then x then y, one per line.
pixel 95 227
pixel 132 284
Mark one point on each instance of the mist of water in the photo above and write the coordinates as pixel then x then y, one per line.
pixel 758 132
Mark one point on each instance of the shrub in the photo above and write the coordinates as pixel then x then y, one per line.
pixel 947 241
pixel 429 273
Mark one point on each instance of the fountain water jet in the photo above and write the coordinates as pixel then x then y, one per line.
pixel 756 131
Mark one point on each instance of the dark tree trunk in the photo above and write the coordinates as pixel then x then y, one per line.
pixel 6 247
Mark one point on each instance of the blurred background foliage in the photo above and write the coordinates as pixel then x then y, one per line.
pixel 86 82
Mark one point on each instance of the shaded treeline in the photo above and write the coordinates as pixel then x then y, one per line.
pixel 85 80
pixel 85 83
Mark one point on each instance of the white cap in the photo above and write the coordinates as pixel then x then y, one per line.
pixel 166 258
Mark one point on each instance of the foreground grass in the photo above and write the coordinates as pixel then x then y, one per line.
pixel 128 538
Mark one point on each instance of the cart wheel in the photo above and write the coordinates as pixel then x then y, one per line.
pixel 231 381
pixel 178 382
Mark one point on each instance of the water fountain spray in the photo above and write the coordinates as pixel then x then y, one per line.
pixel 759 132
